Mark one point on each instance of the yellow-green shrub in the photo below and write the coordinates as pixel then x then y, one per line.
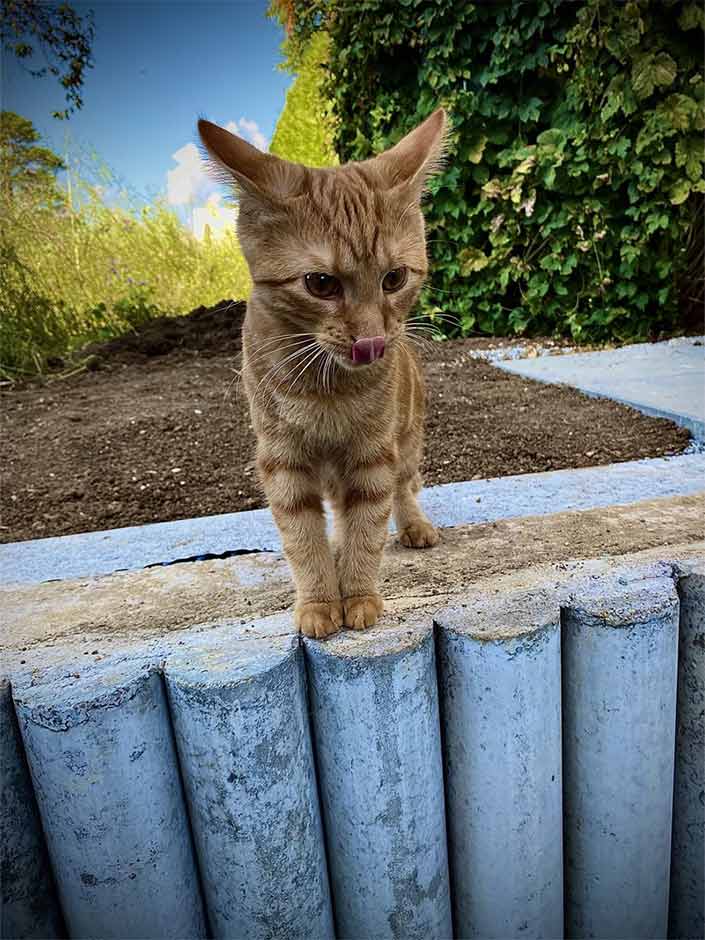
pixel 74 269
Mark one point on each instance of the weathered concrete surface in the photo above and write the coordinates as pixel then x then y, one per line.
pixel 620 660
pixel 374 709
pixel 375 697
pixel 665 379
pixel 102 613
pixel 687 903
pixel 453 504
pixel 28 904
pixel 241 727
pixel 500 688
pixel 104 770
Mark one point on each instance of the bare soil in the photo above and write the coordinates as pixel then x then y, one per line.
pixel 156 429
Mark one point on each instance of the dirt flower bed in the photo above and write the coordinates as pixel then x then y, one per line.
pixel 156 429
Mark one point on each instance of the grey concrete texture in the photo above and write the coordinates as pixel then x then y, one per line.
pixel 665 379
pixel 453 504
pixel 373 722
pixel 687 904
pixel 241 727
pixel 102 615
pixel 105 774
pixel 500 688
pixel 28 903
pixel 374 708
pixel 620 659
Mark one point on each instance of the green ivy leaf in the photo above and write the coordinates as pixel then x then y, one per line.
pixel 472 259
pixel 552 141
pixel 692 16
pixel 650 71
pixel 476 148
pixel 690 153
pixel 679 110
pixel 530 110
pixel 679 192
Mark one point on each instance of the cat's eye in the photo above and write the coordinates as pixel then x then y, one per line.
pixel 324 286
pixel 394 280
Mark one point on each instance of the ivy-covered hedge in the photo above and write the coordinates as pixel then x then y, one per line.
pixel 572 192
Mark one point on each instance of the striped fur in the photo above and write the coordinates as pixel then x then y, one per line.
pixel 328 429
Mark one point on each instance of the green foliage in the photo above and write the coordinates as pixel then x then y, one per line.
pixel 574 168
pixel 304 131
pixel 23 164
pixel 55 33
pixel 33 328
pixel 74 269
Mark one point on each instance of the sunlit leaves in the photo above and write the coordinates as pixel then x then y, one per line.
pixel 575 159
pixel 472 259
pixel 650 71
pixel 690 154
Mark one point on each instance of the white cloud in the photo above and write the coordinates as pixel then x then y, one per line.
pixel 250 131
pixel 188 182
pixel 218 218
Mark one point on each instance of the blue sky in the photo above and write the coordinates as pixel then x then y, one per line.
pixel 159 64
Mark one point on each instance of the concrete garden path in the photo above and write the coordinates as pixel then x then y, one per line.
pixel 663 379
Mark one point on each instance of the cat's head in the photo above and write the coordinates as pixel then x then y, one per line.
pixel 339 253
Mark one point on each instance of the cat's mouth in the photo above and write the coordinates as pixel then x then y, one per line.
pixel 362 352
pixel 367 349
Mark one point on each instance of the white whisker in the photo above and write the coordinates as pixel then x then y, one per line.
pixel 308 363
pixel 271 374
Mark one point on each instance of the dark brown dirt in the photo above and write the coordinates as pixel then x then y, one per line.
pixel 158 430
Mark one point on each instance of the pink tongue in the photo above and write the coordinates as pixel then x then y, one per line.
pixel 368 349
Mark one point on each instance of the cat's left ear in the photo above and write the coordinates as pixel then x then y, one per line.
pixel 417 156
pixel 261 175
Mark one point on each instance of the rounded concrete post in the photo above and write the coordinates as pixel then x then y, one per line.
pixel 241 727
pixel 103 764
pixel 500 686
pixel 687 903
pixel 28 904
pixel 375 716
pixel 619 707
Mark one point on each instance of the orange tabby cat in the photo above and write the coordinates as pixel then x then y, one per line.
pixel 337 258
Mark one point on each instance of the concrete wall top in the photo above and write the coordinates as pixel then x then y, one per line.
pixel 214 661
pixel 453 504
pixel 617 597
pixel 367 644
pixel 505 616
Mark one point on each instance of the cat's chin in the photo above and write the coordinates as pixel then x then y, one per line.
pixel 347 363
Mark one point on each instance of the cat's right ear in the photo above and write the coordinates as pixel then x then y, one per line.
pixel 233 160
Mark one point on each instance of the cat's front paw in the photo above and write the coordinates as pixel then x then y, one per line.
pixel 419 535
pixel 362 611
pixel 319 620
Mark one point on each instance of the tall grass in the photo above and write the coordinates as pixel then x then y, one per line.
pixel 75 268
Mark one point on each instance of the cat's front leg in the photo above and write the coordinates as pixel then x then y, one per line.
pixel 293 493
pixel 362 509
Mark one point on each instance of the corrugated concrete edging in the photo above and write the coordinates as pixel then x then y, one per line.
pixel 388 712
pixel 376 729
pixel 28 903
pixel 242 736
pixel 687 911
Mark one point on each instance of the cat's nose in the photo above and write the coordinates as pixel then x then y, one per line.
pixel 367 349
